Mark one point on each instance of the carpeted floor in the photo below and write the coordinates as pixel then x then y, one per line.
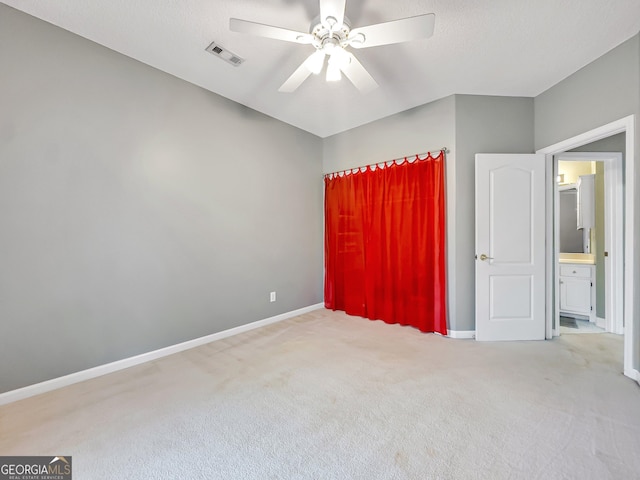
pixel 327 396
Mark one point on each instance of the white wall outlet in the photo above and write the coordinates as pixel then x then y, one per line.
pixel 272 297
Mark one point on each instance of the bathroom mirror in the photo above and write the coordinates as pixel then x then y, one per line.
pixel 571 239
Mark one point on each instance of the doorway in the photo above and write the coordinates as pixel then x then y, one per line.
pixel 625 125
pixel 588 239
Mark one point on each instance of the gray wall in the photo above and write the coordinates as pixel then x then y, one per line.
pixel 615 143
pixel 137 210
pixel 483 125
pixel 427 127
pixel 603 91
pixel 467 125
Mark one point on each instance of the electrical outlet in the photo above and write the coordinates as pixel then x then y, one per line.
pixel 272 297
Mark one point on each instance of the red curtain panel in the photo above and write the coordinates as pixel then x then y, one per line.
pixel 385 243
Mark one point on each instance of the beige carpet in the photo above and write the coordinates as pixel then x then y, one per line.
pixel 327 396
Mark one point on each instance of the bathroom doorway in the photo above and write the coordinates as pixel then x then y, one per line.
pixel 588 238
pixel 626 212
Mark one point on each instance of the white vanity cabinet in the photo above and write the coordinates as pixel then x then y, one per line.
pixel 577 290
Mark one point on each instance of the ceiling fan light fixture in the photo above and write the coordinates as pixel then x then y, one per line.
pixel 329 44
pixel 333 72
pixel 315 62
pixel 340 57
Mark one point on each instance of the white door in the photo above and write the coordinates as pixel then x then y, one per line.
pixel 510 247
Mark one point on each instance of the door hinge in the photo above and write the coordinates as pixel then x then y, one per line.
pixel 591 307
pixel 592 284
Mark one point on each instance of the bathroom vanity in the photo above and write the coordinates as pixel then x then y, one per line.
pixel 577 287
pixel 576 269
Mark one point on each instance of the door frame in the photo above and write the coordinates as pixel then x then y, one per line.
pixel 614 231
pixel 624 125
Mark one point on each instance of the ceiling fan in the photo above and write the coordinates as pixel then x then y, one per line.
pixel 331 34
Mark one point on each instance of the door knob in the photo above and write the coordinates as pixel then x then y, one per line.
pixel 483 257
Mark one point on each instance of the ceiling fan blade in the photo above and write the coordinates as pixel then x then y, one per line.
pixel 296 79
pixel 268 31
pixel 396 31
pixel 355 72
pixel 332 8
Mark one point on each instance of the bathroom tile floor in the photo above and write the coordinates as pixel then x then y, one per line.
pixel 570 325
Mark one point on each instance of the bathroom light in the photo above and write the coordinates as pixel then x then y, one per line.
pixel 560 178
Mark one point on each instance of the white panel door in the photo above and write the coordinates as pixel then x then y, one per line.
pixel 510 247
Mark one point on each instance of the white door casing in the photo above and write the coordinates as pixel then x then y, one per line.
pixel 510 247
pixel 631 335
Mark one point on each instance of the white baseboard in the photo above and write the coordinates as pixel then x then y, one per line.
pixel 633 374
pixel 55 383
pixel 601 322
pixel 461 333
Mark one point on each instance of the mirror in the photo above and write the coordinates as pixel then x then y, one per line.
pixel 571 239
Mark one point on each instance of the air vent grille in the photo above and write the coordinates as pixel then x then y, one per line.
pixel 224 54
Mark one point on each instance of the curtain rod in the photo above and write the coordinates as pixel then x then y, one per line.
pixel 443 149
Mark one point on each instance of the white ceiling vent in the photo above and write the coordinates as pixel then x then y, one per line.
pixel 224 54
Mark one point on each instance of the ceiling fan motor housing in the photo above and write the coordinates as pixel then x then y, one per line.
pixel 329 36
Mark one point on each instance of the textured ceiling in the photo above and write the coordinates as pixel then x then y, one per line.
pixel 485 47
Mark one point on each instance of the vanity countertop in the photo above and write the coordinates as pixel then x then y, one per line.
pixel 577 258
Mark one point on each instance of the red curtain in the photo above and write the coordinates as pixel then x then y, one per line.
pixel 385 244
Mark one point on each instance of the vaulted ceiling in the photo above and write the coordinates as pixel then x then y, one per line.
pixel 484 47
